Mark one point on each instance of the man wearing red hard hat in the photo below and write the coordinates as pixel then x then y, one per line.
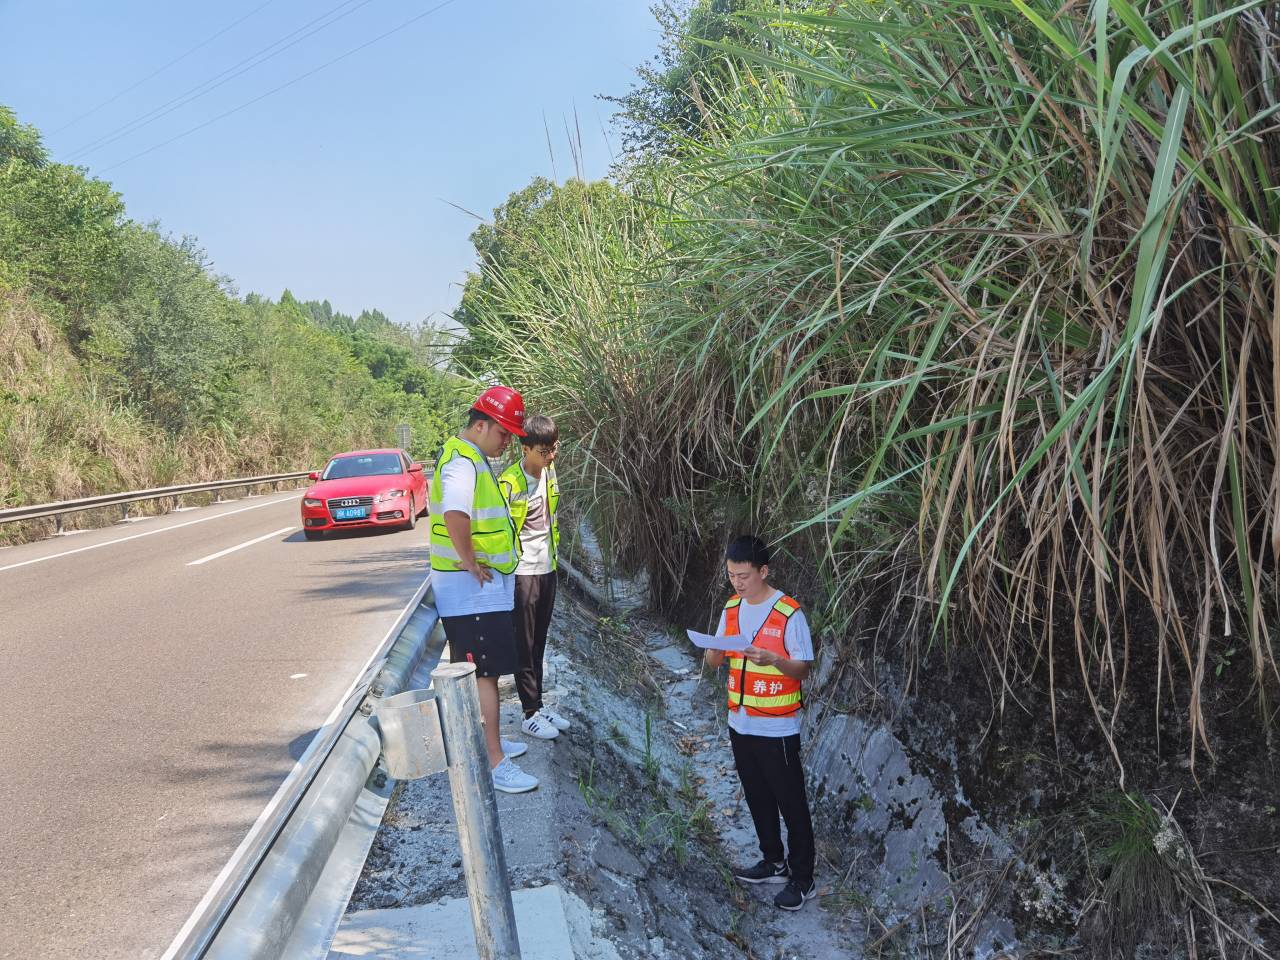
pixel 474 553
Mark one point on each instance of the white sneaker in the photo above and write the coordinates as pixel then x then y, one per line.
pixel 509 778
pixel 553 718
pixel 514 748
pixel 540 727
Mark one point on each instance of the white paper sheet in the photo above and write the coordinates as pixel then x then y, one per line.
pixel 709 642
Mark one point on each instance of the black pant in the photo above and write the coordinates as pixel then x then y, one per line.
pixel 773 783
pixel 535 598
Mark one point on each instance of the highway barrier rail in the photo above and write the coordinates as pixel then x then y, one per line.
pixel 123 500
pixel 276 897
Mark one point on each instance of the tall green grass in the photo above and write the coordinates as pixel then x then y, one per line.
pixel 977 303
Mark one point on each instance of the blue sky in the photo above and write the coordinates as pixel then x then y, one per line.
pixel 343 185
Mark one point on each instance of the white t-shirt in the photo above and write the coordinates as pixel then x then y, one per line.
pixel 535 535
pixel 799 645
pixel 457 592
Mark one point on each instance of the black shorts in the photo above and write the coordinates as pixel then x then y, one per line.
pixel 486 639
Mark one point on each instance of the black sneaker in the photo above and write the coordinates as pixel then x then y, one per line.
pixel 794 895
pixel 764 872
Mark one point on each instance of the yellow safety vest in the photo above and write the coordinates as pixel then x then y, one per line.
pixel 515 486
pixel 493 535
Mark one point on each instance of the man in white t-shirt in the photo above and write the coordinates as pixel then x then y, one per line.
pixel 533 495
pixel 764 718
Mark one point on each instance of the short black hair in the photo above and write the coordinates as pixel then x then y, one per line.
pixel 476 416
pixel 540 431
pixel 748 549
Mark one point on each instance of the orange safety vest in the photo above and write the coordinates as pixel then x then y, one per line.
pixel 762 691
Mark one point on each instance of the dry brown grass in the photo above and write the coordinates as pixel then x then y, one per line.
pixel 62 436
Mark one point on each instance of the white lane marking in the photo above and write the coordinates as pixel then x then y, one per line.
pixel 136 536
pixel 297 676
pixel 275 801
pixel 240 546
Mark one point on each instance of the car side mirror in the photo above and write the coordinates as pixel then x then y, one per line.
pixel 415 468
pixel 314 475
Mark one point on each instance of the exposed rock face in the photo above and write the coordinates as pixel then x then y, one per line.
pixel 890 821
pixel 862 768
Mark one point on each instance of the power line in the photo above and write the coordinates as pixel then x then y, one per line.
pixel 235 70
pixel 290 83
pixel 226 76
pixel 160 70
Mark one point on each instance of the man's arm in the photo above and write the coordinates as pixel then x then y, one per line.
pixel 459 526
pixel 458 484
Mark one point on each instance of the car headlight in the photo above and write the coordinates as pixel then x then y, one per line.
pixel 386 495
pixel 312 502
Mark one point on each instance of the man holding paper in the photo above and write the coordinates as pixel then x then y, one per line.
pixel 764 716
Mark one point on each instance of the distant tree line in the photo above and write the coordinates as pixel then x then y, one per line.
pixel 125 359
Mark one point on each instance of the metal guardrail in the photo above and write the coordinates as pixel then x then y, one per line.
pixel 56 510
pixel 253 906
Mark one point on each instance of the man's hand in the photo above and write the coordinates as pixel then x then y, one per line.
pixel 795 669
pixel 459 526
pixel 761 657
pixel 482 574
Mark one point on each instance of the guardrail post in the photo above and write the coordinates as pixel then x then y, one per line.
pixel 57 523
pixel 475 809
pixel 124 511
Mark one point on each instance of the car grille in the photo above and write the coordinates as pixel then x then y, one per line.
pixel 348 502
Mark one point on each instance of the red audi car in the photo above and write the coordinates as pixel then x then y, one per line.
pixel 365 488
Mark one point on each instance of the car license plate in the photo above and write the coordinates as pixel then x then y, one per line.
pixel 350 513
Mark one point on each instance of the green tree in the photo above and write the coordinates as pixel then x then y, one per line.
pixel 126 362
pixel 19 141
pixel 59 235
pixel 663 106
pixel 172 336
pixel 512 252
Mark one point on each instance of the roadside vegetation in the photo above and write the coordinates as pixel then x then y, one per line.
pixel 972 306
pixel 126 362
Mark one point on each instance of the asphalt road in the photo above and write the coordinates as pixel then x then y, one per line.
pixel 151 705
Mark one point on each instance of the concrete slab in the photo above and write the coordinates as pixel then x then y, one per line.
pixel 443 931
pixel 674 659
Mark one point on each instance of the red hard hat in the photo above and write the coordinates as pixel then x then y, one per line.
pixel 505 406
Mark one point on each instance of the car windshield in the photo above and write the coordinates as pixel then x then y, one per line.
pixel 368 465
